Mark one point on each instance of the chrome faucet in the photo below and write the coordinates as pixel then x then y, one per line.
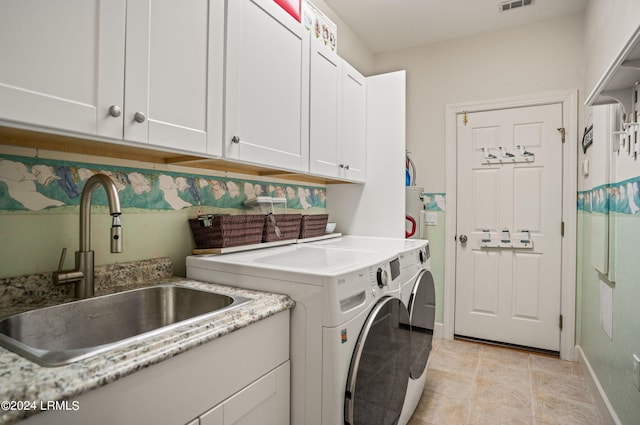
pixel 83 273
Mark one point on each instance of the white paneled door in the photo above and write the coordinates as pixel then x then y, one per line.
pixel 509 217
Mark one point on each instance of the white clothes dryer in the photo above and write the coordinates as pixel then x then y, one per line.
pixel 350 346
pixel 418 294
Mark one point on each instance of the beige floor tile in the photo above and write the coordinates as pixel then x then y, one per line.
pixel 460 363
pixel 458 347
pixel 417 421
pixel 496 392
pixel 556 410
pixel 567 386
pixel 550 364
pixel 499 414
pixel 507 357
pixel 474 384
pixel 435 408
pixel 495 370
pixel 448 384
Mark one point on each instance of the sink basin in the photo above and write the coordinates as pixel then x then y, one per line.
pixel 66 333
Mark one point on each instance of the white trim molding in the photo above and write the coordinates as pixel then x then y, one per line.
pixel 609 415
pixel 569 101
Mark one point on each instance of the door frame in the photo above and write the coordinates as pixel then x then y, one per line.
pixel 569 101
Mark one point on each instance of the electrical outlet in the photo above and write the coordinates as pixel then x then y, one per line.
pixel 636 371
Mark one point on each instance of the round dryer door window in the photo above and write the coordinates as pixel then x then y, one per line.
pixel 422 313
pixel 379 372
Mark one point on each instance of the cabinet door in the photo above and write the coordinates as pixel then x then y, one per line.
pixel 167 64
pixel 62 64
pixel 354 124
pixel 264 402
pixel 325 76
pixel 214 416
pixel 267 86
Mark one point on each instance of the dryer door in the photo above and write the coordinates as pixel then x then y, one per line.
pixel 379 371
pixel 422 312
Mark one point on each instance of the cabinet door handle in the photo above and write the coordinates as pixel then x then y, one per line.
pixel 235 139
pixel 139 117
pixel 115 111
pixel 346 167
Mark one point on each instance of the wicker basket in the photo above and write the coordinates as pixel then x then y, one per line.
pixel 313 225
pixel 280 227
pixel 227 230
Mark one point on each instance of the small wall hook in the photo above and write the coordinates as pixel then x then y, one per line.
pixel 504 153
pixel 523 151
pixel 487 155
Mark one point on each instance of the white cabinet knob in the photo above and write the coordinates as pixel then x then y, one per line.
pixel 115 111
pixel 139 117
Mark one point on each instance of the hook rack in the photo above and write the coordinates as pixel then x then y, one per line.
pixel 505 157
pixel 506 240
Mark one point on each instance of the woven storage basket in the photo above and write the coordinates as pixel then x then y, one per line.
pixel 288 226
pixel 313 225
pixel 228 230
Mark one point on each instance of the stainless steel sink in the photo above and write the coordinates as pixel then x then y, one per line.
pixel 66 333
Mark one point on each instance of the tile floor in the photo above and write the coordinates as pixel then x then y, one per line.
pixel 477 384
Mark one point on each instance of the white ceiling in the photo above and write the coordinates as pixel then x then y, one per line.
pixel 387 25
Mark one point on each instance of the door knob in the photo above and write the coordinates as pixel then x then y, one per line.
pixel 463 238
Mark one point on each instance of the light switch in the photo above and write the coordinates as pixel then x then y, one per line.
pixel 585 167
pixel 431 219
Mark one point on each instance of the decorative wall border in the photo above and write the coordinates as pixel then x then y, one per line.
pixel 36 184
pixel 435 201
pixel 621 198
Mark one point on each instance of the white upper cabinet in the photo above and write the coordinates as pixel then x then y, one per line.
pixel 324 110
pixel 167 74
pixel 353 124
pixel 337 116
pixel 62 64
pixel 267 86
pixel 65 68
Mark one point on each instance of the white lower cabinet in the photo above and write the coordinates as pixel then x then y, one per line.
pixel 264 402
pixel 241 378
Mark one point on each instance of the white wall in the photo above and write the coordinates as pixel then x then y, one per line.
pixel 350 47
pixel 542 57
pixel 608 25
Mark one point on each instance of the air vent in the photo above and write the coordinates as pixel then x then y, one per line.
pixel 514 4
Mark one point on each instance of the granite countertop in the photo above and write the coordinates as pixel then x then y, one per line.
pixel 23 380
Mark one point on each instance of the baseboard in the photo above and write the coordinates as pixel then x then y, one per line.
pixel 607 412
pixel 438 330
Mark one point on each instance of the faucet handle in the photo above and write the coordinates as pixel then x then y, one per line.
pixel 60 277
pixel 62 257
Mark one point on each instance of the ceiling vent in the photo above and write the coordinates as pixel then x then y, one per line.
pixel 514 4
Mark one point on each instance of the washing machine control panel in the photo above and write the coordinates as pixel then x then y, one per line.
pixel 384 274
pixel 424 254
pixel 382 277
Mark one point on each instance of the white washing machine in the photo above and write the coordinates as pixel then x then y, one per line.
pixel 350 343
pixel 418 295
